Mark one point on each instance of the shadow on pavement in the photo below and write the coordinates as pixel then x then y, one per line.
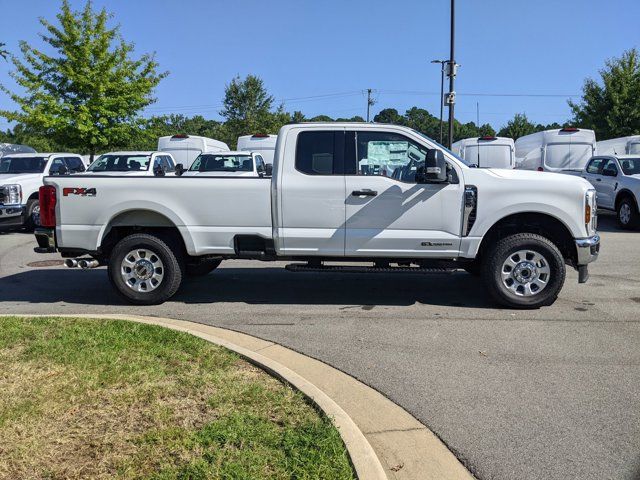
pixel 271 286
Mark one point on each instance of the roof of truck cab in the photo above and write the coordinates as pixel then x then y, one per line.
pixel 42 155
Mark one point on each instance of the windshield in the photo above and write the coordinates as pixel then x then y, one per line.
pixel 464 162
pixel 120 163
pixel 22 164
pixel 630 166
pixel 209 162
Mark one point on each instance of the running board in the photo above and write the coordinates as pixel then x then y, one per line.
pixel 304 267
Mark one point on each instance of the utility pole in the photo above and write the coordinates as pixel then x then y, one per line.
pixel 442 64
pixel 478 114
pixel 451 72
pixel 370 102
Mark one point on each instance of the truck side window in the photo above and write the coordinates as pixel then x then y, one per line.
pixel 389 155
pixel 320 153
pixel 168 164
pixel 595 166
pixel 259 164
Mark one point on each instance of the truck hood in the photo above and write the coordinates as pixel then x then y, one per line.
pixel 534 177
pixel 8 178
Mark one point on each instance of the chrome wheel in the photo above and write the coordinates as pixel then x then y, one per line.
pixel 142 270
pixel 624 214
pixel 525 273
pixel 35 215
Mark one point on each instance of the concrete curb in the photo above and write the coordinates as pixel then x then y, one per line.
pixel 383 440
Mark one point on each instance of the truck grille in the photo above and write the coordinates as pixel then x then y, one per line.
pixel 2 195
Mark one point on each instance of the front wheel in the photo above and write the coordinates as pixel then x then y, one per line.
pixel 145 270
pixel 524 271
pixel 627 214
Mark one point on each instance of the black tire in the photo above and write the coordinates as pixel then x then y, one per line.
pixel 172 268
pixel 32 214
pixel 201 268
pixel 494 265
pixel 627 214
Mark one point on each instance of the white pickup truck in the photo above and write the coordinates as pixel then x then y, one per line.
pixel 616 179
pixel 21 177
pixel 382 196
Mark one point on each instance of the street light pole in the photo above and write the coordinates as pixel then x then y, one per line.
pixel 442 63
pixel 452 72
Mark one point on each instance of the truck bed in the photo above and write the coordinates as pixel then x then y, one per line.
pixel 208 211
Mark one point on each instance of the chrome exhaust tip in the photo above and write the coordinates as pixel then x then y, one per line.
pixel 88 263
pixel 71 262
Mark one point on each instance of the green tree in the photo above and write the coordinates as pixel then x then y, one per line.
pixel 389 115
pixel 517 127
pixel 611 107
pixel 247 109
pixel 87 94
pixel 298 117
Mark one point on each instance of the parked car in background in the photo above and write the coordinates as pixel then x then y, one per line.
pixel 486 152
pixel 139 164
pixel 324 203
pixel 555 150
pixel 620 146
pixel 263 144
pixel 21 176
pixel 186 148
pixel 616 179
pixel 9 148
pixel 232 164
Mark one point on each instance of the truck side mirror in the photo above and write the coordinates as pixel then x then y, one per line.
pixel 158 171
pixel 179 169
pixel 435 168
pixel 268 169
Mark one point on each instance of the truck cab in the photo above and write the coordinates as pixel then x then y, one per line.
pixel 21 176
pixel 185 148
pixel 136 163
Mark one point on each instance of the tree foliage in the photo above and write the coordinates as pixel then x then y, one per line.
pixel 88 94
pixel 612 107
pixel 517 127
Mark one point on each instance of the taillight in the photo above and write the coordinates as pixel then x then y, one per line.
pixel 48 206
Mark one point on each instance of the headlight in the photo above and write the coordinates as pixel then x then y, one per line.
pixel 590 212
pixel 12 194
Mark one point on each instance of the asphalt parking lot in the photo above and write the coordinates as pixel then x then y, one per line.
pixel 545 394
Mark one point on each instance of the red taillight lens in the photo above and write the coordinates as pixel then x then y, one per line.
pixel 540 169
pixel 570 129
pixel 48 206
pixel 260 135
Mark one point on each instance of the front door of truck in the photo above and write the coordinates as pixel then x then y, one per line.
pixel 387 212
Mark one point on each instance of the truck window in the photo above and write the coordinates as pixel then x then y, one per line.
pixel 630 166
pixel 74 164
pixel 389 155
pixel 595 166
pixel 260 164
pixel 316 152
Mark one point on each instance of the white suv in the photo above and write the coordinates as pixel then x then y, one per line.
pixel 21 177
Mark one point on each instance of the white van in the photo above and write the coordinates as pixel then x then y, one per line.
pixel 486 152
pixel 185 148
pixel 567 148
pixel 620 146
pixel 263 144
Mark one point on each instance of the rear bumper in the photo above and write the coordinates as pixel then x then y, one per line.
pixel 46 238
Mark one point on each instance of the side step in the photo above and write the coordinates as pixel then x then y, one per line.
pixel 305 267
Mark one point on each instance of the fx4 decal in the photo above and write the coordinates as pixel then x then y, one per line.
pixel 83 192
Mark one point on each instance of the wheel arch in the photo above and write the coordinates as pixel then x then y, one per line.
pixel 539 223
pixel 141 220
pixel 624 193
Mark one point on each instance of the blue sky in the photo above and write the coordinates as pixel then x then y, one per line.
pixel 334 50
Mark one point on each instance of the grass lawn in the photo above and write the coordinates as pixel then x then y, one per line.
pixel 106 398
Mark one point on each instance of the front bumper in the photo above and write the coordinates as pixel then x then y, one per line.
pixel 587 251
pixel 12 215
pixel 46 238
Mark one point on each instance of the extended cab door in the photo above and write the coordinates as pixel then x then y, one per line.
pixel 311 189
pixel 387 212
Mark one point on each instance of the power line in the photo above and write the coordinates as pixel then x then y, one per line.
pixel 477 94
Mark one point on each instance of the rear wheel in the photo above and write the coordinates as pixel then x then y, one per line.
pixel 201 268
pixel 145 270
pixel 524 271
pixel 627 214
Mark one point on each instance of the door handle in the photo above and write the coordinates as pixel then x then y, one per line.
pixel 364 193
